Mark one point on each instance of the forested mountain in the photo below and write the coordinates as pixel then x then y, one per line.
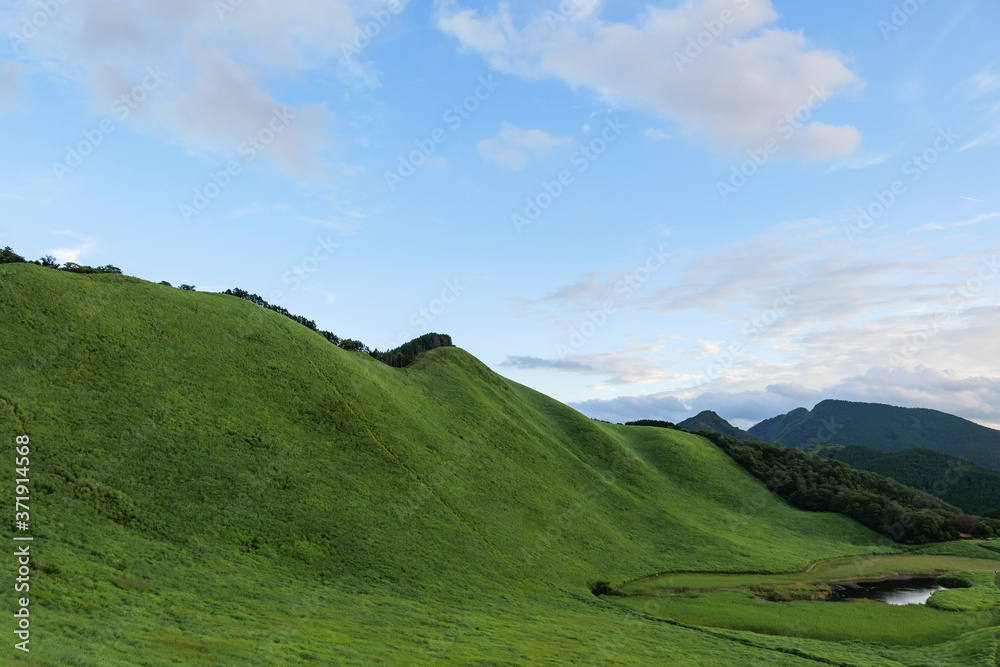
pixel 884 428
pixel 710 421
pixel 973 488
pixel 818 484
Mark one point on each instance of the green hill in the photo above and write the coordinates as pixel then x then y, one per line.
pixel 973 488
pixel 710 421
pixel 885 428
pixel 213 483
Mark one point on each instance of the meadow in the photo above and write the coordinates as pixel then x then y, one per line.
pixel 213 483
pixel 865 621
pixel 793 603
pixel 854 568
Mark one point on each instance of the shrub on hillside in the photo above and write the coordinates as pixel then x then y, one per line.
pixel 8 256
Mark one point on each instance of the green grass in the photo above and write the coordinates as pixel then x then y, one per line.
pixel 972 592
pixel 215 484
pixel 989 549
pixel 913 625
pixel 832 571
pixel 732 600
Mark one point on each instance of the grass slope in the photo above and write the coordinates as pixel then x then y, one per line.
pixel 214 483
pixel 885 428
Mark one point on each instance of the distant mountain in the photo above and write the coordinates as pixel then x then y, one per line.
pixel 973 488
pixel 710 421
pixel 884 428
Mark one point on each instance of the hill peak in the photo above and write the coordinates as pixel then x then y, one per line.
pixel 708 420
pixel 885 428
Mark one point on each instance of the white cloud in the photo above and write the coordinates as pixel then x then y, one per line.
pixel 900 304
pixel 981 85
pixel 342 227
pixel 256 209
pixel 513 146
pixel 10 85
pixel 734 92
pixel 617 369
pixel 860 162
pixel 975 220
pixel 437 162
pixel 973 397
pixel 74 253
pixel 656 135
pixel 220 57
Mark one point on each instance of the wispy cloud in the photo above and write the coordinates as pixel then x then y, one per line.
pixel 75 253
pixel 976 220
pixel 616 369
pixel 654 134
pixel 512 147
pixel 342 227
pixel 860 162
pixel 219 58
pixel 972 397
pixel 10 84
pixel 981 85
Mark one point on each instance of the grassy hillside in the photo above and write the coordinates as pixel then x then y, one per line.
pixel 214 483
pixel 885 428
pixel 973 488
pixel 710 421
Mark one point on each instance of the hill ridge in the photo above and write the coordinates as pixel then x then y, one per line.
pixel 885 428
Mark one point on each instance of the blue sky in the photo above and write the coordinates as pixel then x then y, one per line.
pixel 644 210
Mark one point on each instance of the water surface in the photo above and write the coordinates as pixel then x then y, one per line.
pixel 896 592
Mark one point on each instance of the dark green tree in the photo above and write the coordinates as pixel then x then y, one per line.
pixel 8 256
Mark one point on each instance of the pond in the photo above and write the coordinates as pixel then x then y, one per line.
pixel 896 592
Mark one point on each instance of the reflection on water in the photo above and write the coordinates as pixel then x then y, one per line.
pixel 900 592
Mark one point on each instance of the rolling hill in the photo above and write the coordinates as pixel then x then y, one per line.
pixel 885 428
pixel 213 483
